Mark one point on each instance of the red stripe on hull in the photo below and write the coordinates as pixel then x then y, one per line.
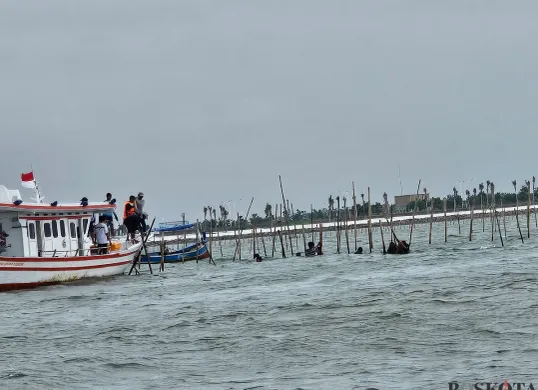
pixel 65 268
pixel 21 286
pixel 62 259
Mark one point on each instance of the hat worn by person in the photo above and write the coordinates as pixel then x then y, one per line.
pixel 140 194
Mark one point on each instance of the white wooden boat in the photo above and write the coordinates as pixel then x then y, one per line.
pixel 42 244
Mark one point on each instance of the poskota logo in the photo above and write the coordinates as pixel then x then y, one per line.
pixel 491 386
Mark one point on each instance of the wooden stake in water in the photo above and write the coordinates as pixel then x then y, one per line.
pixel 514 183
pixel 370 222
pixel 431 222
pixel 382 238
pixel 338 225
pixel 492 209
pixel 304 239
pixel 286 213
pixel 345 226
pixel 281 244
pixel 354 215
pixel 528 209
pixel 533 204
pixel 446 227
pixel 414 211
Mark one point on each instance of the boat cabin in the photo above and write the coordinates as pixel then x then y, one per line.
pixel 46 230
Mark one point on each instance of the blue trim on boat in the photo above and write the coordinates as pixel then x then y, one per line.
pixel 188 253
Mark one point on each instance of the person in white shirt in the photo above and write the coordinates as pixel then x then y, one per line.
pixel 101 236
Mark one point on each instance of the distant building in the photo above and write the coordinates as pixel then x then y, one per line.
pixel 401 201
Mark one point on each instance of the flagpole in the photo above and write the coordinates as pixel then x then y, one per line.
pixel 38 194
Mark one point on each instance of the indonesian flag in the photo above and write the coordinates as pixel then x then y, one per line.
pixel 28 180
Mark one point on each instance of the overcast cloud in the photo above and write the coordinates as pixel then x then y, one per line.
pixel 201 102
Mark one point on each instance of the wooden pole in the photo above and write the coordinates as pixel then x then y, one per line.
pixel 382 238
pixel 354 215
pixel 286 213
pixel 504 218
pixel 161 267
pixel 528 209
pixel 312 223
pixel 533 204
pixel 197 238
pixel 471 222
pixel 370 222
pixel 414 211
pixel 499 228
pixel 137 258
pixel 492 210
pixel 184 237
pixel 273 248
pixel 253 240
pixel 446 227
pixel 517 212
pixel 304 239
pixel 338 225
pixel 282 244
pixel 431 223
pixel 263 245
pixel 346 233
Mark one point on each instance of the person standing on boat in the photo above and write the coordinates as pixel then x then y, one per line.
pixel 110 216
pixel 131 210
pixel 131 222
pixel 101 236
pixel 139 210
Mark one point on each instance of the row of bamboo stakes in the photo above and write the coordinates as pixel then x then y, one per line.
pixel 342 227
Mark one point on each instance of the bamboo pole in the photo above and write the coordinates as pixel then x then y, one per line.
pixel 446 227
pixel 184 237
pixel 382 238
pixel 471 222
pixel 528 209
pixel 354 215
pixel 282 244
pixel 533 204
pixel 253 241
pixel 492 210
pixel 273 230
pixel 304 239
pixel 499 228
pixel 504 218
pixel 338 225
pixel 414 211
pixel 431 222
pixel 312 222
pixel 345 227
pixel 286 214
pixel 517 211
pixel 161 267
pixel 370 222
pixel 197 238
pixel 263 244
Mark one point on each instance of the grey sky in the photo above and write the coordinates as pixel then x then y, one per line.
pixel 200 102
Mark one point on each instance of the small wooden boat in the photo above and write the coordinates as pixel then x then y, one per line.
pixel 196 251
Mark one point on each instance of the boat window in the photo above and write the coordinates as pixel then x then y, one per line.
pixel 31 231
pixel 54 229
pixel 46 228
pixel 73 229
pixel 62 228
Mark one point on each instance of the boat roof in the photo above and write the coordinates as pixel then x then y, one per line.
pixel 9 200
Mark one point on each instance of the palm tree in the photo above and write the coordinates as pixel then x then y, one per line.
pixel 363 205
pixel 481 188
pixel 386 203
pixel 425 199
pixel 268 210
pixel 487 192
pixel 205 213
pixel 455 195
pixel 468 194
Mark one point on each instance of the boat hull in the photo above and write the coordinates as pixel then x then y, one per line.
pixel 194 253
pixel 28 272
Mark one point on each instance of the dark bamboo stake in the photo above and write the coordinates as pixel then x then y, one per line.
pixel 345 226
pixel 281 244
pixel 528 209
pixel 370 222
pixel 446 227
pixel 354 215
pixel 431 222
pixel 517 211
pixel 414 211
pixel 338 225
pixel 499 228
pixel 286 213
pixel 382 238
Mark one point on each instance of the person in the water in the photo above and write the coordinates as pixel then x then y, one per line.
pixel 257 257
pixel 359 250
